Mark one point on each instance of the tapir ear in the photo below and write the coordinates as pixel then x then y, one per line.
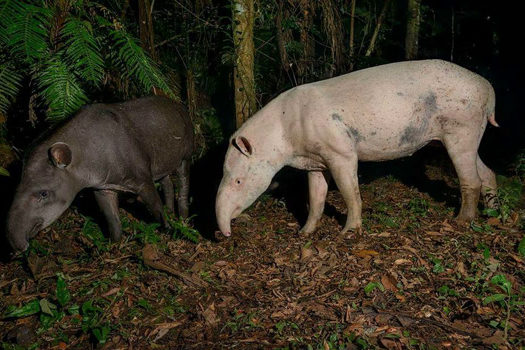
pixel 243 145
pixel 60 155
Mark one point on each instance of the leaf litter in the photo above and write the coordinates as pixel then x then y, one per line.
pixel 412 278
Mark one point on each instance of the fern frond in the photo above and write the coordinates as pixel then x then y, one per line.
pixel 60 89
pixel 10 83
pixel 138 65
pixel 28 31
pixel 83 50
pixel 8 10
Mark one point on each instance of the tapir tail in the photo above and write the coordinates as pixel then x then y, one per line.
pixel 492 120
pixel 491 107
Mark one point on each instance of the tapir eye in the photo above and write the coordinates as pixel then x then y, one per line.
pixel 43 194
pixel 238 181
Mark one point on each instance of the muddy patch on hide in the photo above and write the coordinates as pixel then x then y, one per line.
pixel 337 117
pixel 424 109
pixel 352 132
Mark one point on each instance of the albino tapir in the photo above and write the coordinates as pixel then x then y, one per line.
pixel 110 148
pixel 375 114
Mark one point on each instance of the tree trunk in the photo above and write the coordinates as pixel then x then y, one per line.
pixel 146 28
pixel 372 44
pixel 352 31
pixel 412 34
pixel 281 38
pixel 334 29
pixel 305 63
pixel 243 75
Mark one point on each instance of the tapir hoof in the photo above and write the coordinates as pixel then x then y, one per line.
pixel 349 232
pixel 307 230
pixel 464 220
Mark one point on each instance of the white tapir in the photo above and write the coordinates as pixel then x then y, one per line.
pixel 375 114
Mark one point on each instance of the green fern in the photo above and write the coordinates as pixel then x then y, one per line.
pixel 83 50
pixel 28 32
pixel 90 47
pixel 138 64
pixel 9 85
pixel 8 10
pixel 60 89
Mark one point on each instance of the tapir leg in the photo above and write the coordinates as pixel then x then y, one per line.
pixel 462 149
pixel 151 198
pixel 167 190
pixel 317 190
pixel 488 185
pixel 183 176
pixel 344 172
pixel 108 202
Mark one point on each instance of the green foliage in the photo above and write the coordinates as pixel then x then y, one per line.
pixel 144 232
pixel 92 321
pixel 10 83
pixel 181 228
pixel 509 195
pixel 83 50
pixel 3 172
pixel 137 64
pixel 521 247
pixel 60 87
pixel 28 31
pixel 67 53
pixel 28 309
pixel 94 234
pixel 370 287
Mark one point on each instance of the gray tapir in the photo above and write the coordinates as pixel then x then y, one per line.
pixel 110 148
pixel 375 114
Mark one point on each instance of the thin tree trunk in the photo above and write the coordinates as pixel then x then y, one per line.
pixel 281 44
pixel 306 40
pixel 333 28
pixel 380 20
pixel 146 28
pixel 412 34
pixel 352 31
pixel 243 75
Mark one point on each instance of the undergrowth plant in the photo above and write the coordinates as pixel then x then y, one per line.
pixel 60 50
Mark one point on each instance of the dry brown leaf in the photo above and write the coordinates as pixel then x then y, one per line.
pixel 493 221
pixel 364 253
pixel 497 338
pixel 210 316
pixel 402 262
pixel 306 253
pixel 389 283
pixel 390 343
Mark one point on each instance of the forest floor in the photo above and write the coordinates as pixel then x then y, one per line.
pixel 413 279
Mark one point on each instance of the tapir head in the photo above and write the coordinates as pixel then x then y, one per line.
pixel 46 190
pixel 247 174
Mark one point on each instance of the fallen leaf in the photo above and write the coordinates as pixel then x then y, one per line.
pixel 496 338
pixel 493 221
pixel 364 253
pixel 306 253
pixel 210 316
pixel 402 262
pixel 389 283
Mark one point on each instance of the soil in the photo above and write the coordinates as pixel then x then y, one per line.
pixel 413 279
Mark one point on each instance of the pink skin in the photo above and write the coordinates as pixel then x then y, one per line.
pixel 381 113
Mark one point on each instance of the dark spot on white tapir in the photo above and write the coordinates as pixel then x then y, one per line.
pixel 430 104
pixel 424 109
pixel 337 117
pixel 410 135
pixel 400 94
pixel 354 133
